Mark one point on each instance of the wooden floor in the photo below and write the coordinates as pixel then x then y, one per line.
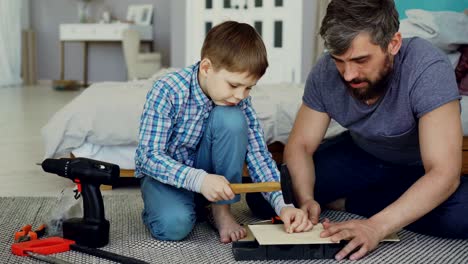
pixel 24 110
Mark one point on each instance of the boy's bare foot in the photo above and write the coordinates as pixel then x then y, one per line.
pixel 229 230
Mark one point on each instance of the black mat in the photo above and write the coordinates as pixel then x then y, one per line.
pixel 130 237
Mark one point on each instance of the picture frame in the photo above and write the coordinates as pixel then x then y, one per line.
pixel 132 13
pixel 140 14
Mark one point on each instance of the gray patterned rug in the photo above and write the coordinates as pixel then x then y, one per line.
pixel 129 237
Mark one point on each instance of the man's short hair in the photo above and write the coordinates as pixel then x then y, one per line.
pixel 345 19
pixel 235 47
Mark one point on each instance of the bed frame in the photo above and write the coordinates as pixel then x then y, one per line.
pixel 464 170
pixel 277 148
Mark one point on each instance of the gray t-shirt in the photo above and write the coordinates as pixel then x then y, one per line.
pixel 421 81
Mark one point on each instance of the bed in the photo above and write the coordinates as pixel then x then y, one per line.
pixel 102 122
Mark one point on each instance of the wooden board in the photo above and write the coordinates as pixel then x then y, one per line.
pixel 275 235
pixel 272 234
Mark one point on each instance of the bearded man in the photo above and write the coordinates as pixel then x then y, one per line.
pixel 399 162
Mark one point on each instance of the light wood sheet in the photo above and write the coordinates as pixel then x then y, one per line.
pixel 273 234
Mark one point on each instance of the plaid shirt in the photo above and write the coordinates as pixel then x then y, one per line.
pixel 172 125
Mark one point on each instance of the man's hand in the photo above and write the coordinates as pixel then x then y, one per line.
pixel 363 234
pixel 312 209
pixel 216 188
pixel 295 220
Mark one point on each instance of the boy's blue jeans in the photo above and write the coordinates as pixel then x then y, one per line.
pixel 169 212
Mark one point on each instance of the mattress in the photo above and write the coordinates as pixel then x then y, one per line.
pixel 277 126
pixel 276 107
pixel 102 122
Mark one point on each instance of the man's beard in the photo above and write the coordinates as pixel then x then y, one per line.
pixel 376 88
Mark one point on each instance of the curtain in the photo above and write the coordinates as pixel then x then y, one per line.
pixel 320 9
pixel 10 42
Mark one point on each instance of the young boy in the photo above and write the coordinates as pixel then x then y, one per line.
pixel 197 129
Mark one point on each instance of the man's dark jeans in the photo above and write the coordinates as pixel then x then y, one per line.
pixel 343 170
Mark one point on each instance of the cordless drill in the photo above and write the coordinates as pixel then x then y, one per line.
pixel 93 229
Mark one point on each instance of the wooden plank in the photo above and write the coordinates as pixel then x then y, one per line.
pixel 275 235
pixel 272 234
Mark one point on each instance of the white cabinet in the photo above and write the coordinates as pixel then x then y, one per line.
pixel 102 32
pixel 105 33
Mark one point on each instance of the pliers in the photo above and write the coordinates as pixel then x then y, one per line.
pixel 25 233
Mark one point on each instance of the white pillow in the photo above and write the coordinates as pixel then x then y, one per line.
pixel 444 29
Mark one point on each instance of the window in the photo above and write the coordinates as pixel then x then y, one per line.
pixel 278 38
pixel 208 26
pixel 208 4
pixel 227 4
pixel 278 3
pixel 258 3
pixel 258 26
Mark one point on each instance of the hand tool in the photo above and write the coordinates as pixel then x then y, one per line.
pixel 106 254
pixel 93 229
pixel 238 188
pixel 276 220
pixel 285 185
pixel 48 259
pixel 44 246
pixel 54 245
pixel 25 234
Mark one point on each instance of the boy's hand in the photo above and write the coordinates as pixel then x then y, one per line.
pixel 295 220
pixel 216 188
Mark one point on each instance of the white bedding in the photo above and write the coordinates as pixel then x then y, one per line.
pixel 105 114
pixel 446 30
pixel 276 107
pixel 102 123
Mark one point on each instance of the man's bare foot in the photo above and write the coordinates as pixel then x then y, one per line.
pixel 229 230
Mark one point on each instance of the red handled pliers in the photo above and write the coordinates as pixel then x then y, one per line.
pixel 26 233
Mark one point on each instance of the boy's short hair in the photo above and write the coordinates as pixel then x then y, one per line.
pixel 236 47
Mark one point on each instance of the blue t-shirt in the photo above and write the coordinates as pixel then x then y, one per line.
pixel 421 81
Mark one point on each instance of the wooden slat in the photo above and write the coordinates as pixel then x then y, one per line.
pixel 277 149
pixel 127 173
pixel 465 143
pixel 464 170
